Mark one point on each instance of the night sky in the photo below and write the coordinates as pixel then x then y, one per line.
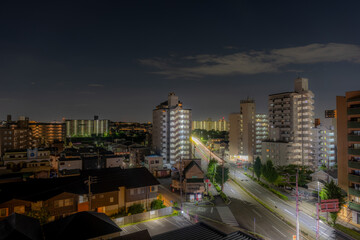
pixel 119 59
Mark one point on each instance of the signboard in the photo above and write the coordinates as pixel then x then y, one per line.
pixel 330 205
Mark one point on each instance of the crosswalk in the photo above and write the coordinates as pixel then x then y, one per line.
pixel 227 216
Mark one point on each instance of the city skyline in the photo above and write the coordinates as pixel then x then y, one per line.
pixel 118 60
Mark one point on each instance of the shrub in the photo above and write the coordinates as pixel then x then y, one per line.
pixel 157 204
pixel 136 208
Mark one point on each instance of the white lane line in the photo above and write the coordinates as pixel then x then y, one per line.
pixel 289 212
pixel 257 190
pixel 271 200
pixel 279 231
pixel 256 212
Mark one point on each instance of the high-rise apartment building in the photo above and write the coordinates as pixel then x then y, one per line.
pixel 86 128
pixel 242 130
pixel 324 145
pixel 291 119
pixel 47 133
pixel 209 124
pixel 348 150
pixel 172 130
pixel 261 131
pixel 15 135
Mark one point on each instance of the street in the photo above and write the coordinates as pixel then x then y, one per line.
pixel 307 223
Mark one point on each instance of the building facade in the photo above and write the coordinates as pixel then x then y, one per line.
pixel 86 128
pixel 209 124
pixel 261 131
pixel 324 141
pixel 47 133
pixel 171 130
pixel 15 135
pixel 291 119
pixel 242 131
pixel 348 150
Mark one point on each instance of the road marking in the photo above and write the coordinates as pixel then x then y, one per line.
pixel 271 200
pixel 279 231
pixel 257 190
pixel 289 212
pixel 256 212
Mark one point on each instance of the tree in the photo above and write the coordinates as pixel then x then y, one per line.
pixel 157 204
pixel 269 172
pixel 211 168
pixel 257 167
pixel 42 215
pixel 136 208
pixel 332 191
pixel 218 175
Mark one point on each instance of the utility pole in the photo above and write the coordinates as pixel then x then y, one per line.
pixel 222 177
pixel 89 182
pixel 317 212
pixel 297 207
pixel 181 185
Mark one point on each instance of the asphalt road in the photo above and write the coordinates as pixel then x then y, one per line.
pixel 307 223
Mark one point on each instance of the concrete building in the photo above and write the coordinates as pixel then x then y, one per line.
pixel 47 133
pixel 171 130
pixel 291 119
pixel 153 162
pixel 209 124
pixel 242 131
pixel 86 128
pixel 324 142
pixel 15 135
pixel 34 161
pixel 348 151
pixel 261 131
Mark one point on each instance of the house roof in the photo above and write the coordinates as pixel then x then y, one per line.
pixel 20 227
pixel 203 231
pixel 82 225
pixel 190 165
pixel 139 235
pixel 108 180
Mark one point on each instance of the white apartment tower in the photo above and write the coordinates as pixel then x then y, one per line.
pixel 261 131
pixel 171 130
pixel 291 117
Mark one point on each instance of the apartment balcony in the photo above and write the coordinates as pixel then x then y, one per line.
pixel 353 111
pixel 354 164
pixel 354 99
pixel 353 124
pixel 354 138
pixel 354 206
pixel 354 178
pixel 353 191
pixel 354 151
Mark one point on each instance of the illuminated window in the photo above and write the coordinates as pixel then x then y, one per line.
pixel 19 209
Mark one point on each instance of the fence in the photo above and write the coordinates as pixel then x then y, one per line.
pixel 143 216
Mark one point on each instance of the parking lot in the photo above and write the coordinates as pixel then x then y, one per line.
pixel 157 226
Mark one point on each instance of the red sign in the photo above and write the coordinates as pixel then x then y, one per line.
pixel 209 184
pixel 330 205
pixel 206 180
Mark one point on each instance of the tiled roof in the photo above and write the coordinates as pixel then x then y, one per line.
pixel 82 225
pixel 20 227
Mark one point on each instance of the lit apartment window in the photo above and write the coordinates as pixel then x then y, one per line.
pixel 3 212
pixel 19 209
pixel 111 199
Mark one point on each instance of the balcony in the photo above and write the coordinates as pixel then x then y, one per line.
pixel 353 124
pixel 354 206
pixel 354 138
pixel 354 164
pixel 353 99
pixel 353 191
pixel 354 178
pixel 353 111
pixel 353 151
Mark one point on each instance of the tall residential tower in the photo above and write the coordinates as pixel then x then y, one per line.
pixel 291 118
pixel 171 130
